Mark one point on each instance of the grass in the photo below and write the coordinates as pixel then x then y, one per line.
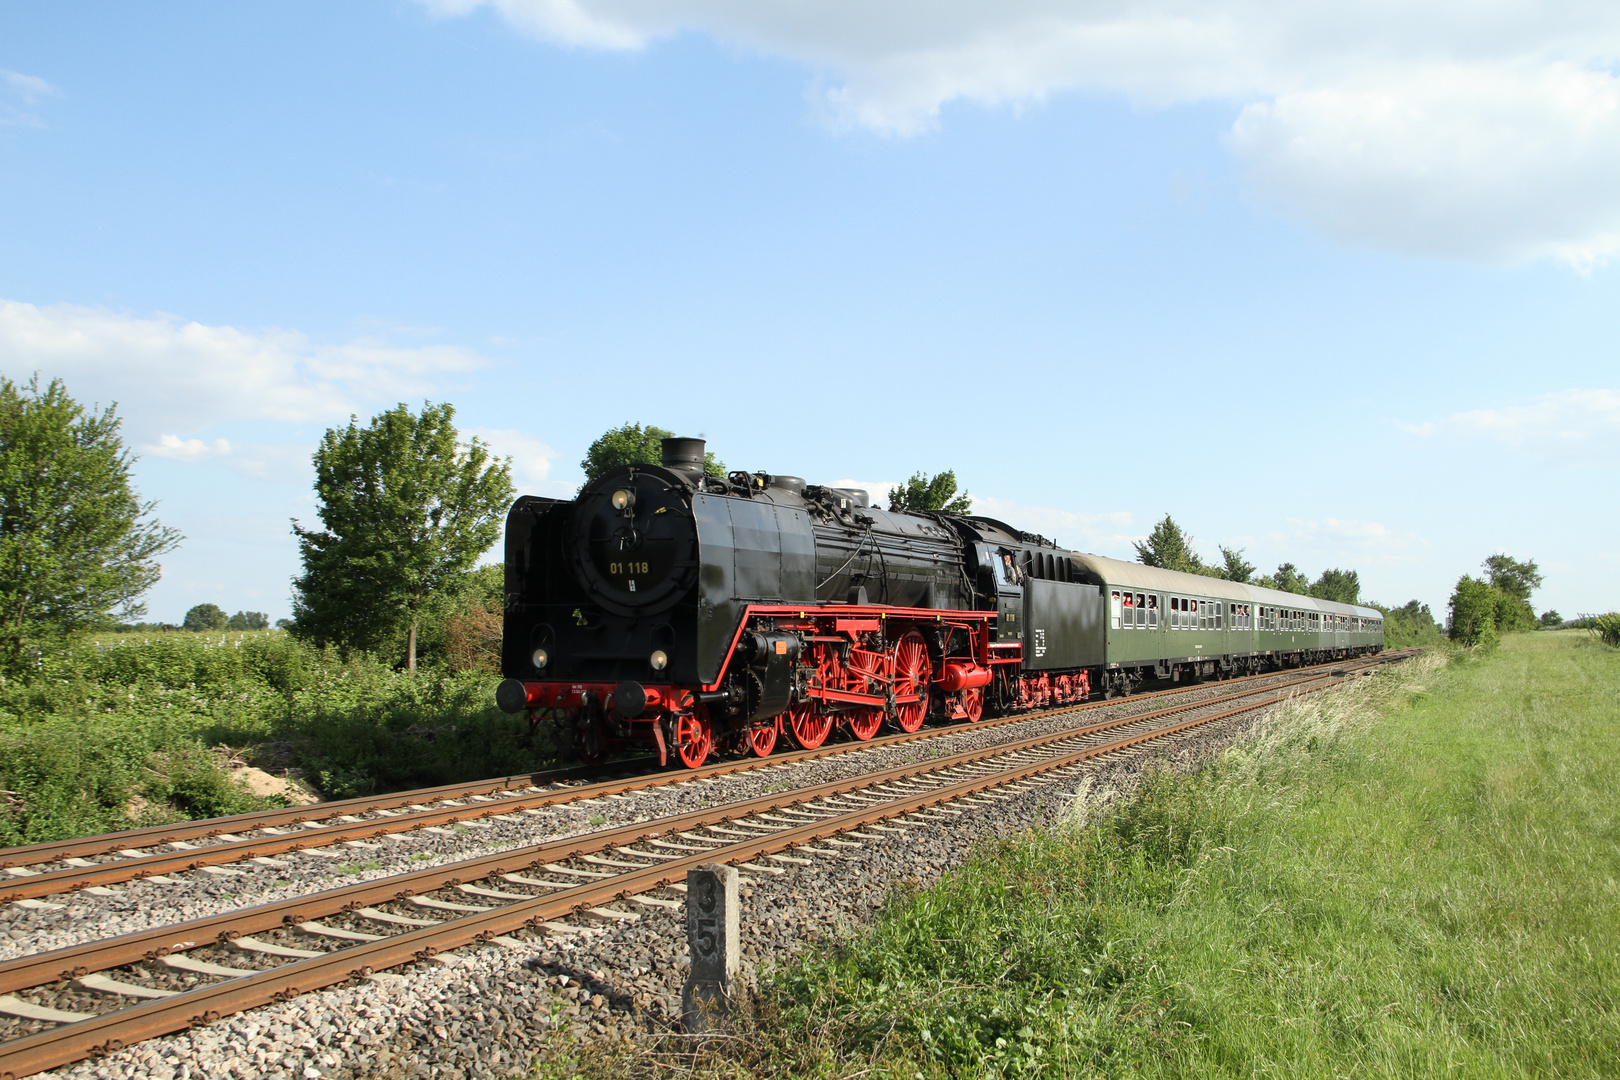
pixel 1418 876
pixel 136 729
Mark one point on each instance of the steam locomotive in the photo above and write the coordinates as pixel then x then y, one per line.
pixel 691 614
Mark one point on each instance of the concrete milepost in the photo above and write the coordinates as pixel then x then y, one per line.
pixel 713 940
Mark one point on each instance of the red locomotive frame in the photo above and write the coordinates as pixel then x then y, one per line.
pixel 859 665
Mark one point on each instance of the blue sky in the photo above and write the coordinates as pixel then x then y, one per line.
pixel 1328 283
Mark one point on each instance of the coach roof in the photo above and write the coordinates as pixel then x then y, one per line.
pixel 1138 576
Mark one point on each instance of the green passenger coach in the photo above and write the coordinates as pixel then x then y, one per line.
pixel 1169 625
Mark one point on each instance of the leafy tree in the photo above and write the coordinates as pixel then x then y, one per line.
pixel 1287 579
pixel 77 544
pixel 924 494
pixel 632 444
pixel 1341 586
pixel 407 511
pixel 1168 547
pixel 1412 624
pixel 1514 581
pixel 1551 620
pixel 1473 613
pixel 205 617
pixel 1517 579
pixel 1235 567
pixel 248 620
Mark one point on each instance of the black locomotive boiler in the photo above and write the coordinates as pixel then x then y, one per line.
pixel 686 613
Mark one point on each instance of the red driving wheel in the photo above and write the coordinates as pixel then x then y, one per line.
pixel 864 723
pixel 760 739
pixel 912 670
pixel 973 704
pixel 809 726
pixel 693 738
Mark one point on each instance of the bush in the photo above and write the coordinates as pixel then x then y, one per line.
pixel 1606 628
pixel 1408 626
pixel 129 729
pixel 1474 607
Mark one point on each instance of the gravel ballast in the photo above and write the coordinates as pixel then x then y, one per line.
pixel 491 1010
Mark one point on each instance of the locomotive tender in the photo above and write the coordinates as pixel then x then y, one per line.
pixel 667 608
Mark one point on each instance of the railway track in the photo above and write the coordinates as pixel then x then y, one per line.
pixel 192 973
pixel 100 862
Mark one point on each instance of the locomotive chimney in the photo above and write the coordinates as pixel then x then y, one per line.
pixel 684 455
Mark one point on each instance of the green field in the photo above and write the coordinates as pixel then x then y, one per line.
pixel 1415 877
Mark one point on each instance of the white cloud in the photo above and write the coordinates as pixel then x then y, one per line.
pixel 531 459
pixel 1579 426
pixel 170 375
pixel 1100 533
pixel 1451 128
pixel 26 88
pixel 175 448
pixel 1348 535
pixel 877 491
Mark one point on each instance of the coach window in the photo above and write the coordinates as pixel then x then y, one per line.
pixel 1113 603
pixel 1141 611
pixel 1130 610
pixel 1153 611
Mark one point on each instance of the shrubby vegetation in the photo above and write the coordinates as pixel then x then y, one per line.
pixel 1412 625
pixel 136 729
pixel 1606 628
pixel 1484 609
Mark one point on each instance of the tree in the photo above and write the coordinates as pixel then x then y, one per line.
pixel 205 617
pixel 1551 620
pixel 1517 579
pixel 1235 567
pixel 1412 624
pixel 632 444
pixel 78 547
pixel 407 511
pixel 1473 613
pixel 1287 579
pixel 1341 586
pixel 924 494
pixel 248 620
pixel 1168 547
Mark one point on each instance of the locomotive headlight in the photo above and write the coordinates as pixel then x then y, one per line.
pixel 623 499
pixel 659 660
pixel 540 658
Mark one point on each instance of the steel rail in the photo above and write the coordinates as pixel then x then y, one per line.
pixel 104 844
pixel 51 883
pixel 114 1030
pixel 75 961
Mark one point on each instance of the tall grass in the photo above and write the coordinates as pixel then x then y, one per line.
pixel 134 729
pixel 1412 877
